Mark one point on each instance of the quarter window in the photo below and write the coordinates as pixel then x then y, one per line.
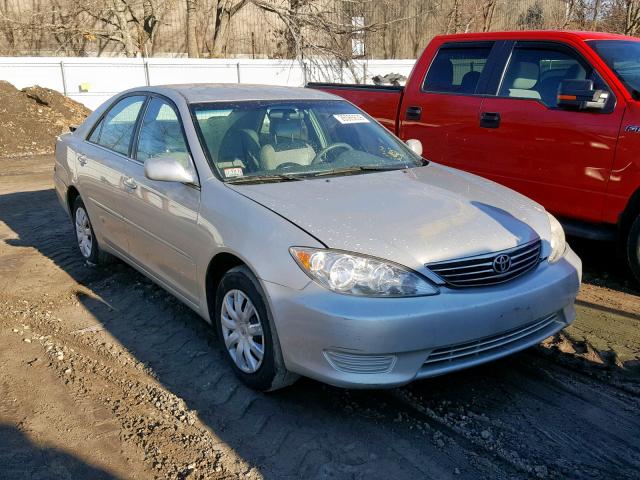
pixel 161 134
pixel 536 73
pixel 457 68
pixel 115 130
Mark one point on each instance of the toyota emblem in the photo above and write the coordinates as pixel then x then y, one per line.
pixel 502 263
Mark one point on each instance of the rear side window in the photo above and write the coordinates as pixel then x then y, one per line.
pixel 457 68
pixel 115 130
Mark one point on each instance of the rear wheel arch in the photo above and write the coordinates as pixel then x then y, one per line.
pixel 72 194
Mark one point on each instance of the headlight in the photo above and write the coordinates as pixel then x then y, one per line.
pixel 356 274
pixel 558 242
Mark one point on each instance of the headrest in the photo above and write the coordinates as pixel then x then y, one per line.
pixel 469 82
pixel 290 129
pixel 526 75
pixel 285 114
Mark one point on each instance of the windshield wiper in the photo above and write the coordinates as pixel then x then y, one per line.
pixel 281 177
pixel 358 168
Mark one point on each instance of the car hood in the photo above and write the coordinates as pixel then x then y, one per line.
pixel 413 216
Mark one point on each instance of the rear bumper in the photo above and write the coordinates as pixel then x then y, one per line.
pixel 368 342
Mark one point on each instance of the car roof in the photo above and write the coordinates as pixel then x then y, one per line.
pixel 231 92
pixel 537 35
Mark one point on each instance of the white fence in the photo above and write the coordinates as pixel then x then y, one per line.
pixel 91 81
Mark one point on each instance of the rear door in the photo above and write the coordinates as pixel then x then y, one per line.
pixel 101 167
pixel 560 158
pixel 442 110
pixel 163 216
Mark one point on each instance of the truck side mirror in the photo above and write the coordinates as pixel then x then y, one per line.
pixel 580 95
pixel 415 146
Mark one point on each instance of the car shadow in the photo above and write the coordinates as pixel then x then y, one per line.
pixel 21 459
pixel 307 430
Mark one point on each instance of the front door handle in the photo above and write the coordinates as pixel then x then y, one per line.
pixel 130 183
pixel 489 119
pixel 82 159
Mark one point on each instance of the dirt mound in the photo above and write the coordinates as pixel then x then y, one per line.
pixel 31 118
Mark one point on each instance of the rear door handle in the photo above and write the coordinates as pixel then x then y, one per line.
pixel 489 119
pixel 82 159
pixel 413 113
pixel 130 183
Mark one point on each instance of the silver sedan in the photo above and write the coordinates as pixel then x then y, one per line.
pixel 314 240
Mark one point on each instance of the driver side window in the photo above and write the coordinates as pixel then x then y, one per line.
pixel 536 73
pixel 161 134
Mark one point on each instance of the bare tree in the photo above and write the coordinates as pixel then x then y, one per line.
pixel 192 44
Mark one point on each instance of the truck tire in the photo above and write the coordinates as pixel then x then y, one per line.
pixel 633 248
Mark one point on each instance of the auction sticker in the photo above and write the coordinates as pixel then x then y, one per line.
pixel 233 172
pixel 347 118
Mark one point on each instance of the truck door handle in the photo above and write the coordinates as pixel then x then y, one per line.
pixel 130 182
pixel 413 113
pixel 82 160
pixel 489 119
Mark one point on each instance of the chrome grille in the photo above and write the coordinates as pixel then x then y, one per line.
pixel 485 269
pixel 488 346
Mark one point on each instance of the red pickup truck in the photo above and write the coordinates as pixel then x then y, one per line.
pixel 554 115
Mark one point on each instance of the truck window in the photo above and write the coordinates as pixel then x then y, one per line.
pixel 456 68
pixel 536 73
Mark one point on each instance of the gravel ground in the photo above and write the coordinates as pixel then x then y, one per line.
pixel 104 375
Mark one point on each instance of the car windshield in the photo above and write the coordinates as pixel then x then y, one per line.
pixel 623 57
pixel 275 141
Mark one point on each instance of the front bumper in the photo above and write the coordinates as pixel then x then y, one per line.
pixel 378 342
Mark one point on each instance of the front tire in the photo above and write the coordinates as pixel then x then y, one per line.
pixel 245 331
pixel 85 236
pixel 633 248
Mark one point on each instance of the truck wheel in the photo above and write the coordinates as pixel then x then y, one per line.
pixel 87 243
pixel 246 332
pixel 633 248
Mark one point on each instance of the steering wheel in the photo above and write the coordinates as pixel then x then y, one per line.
pixel 287 165
pixel 325 150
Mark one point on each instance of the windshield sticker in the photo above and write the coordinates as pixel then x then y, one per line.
pixel 233 172
pixel 348 118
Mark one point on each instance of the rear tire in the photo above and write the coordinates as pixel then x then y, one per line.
pixel 86 238
pixel 246 332
pixel 633 248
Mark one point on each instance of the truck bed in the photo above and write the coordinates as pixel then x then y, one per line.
pixel 380 101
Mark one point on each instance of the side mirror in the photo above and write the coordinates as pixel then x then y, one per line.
pixel 170 169
pixel 415 146
pixel 580 95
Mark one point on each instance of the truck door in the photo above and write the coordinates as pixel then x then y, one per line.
pixel 442 109
pixel 560 158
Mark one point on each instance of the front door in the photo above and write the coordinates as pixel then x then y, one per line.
pixel 163 216
pixel 560 158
